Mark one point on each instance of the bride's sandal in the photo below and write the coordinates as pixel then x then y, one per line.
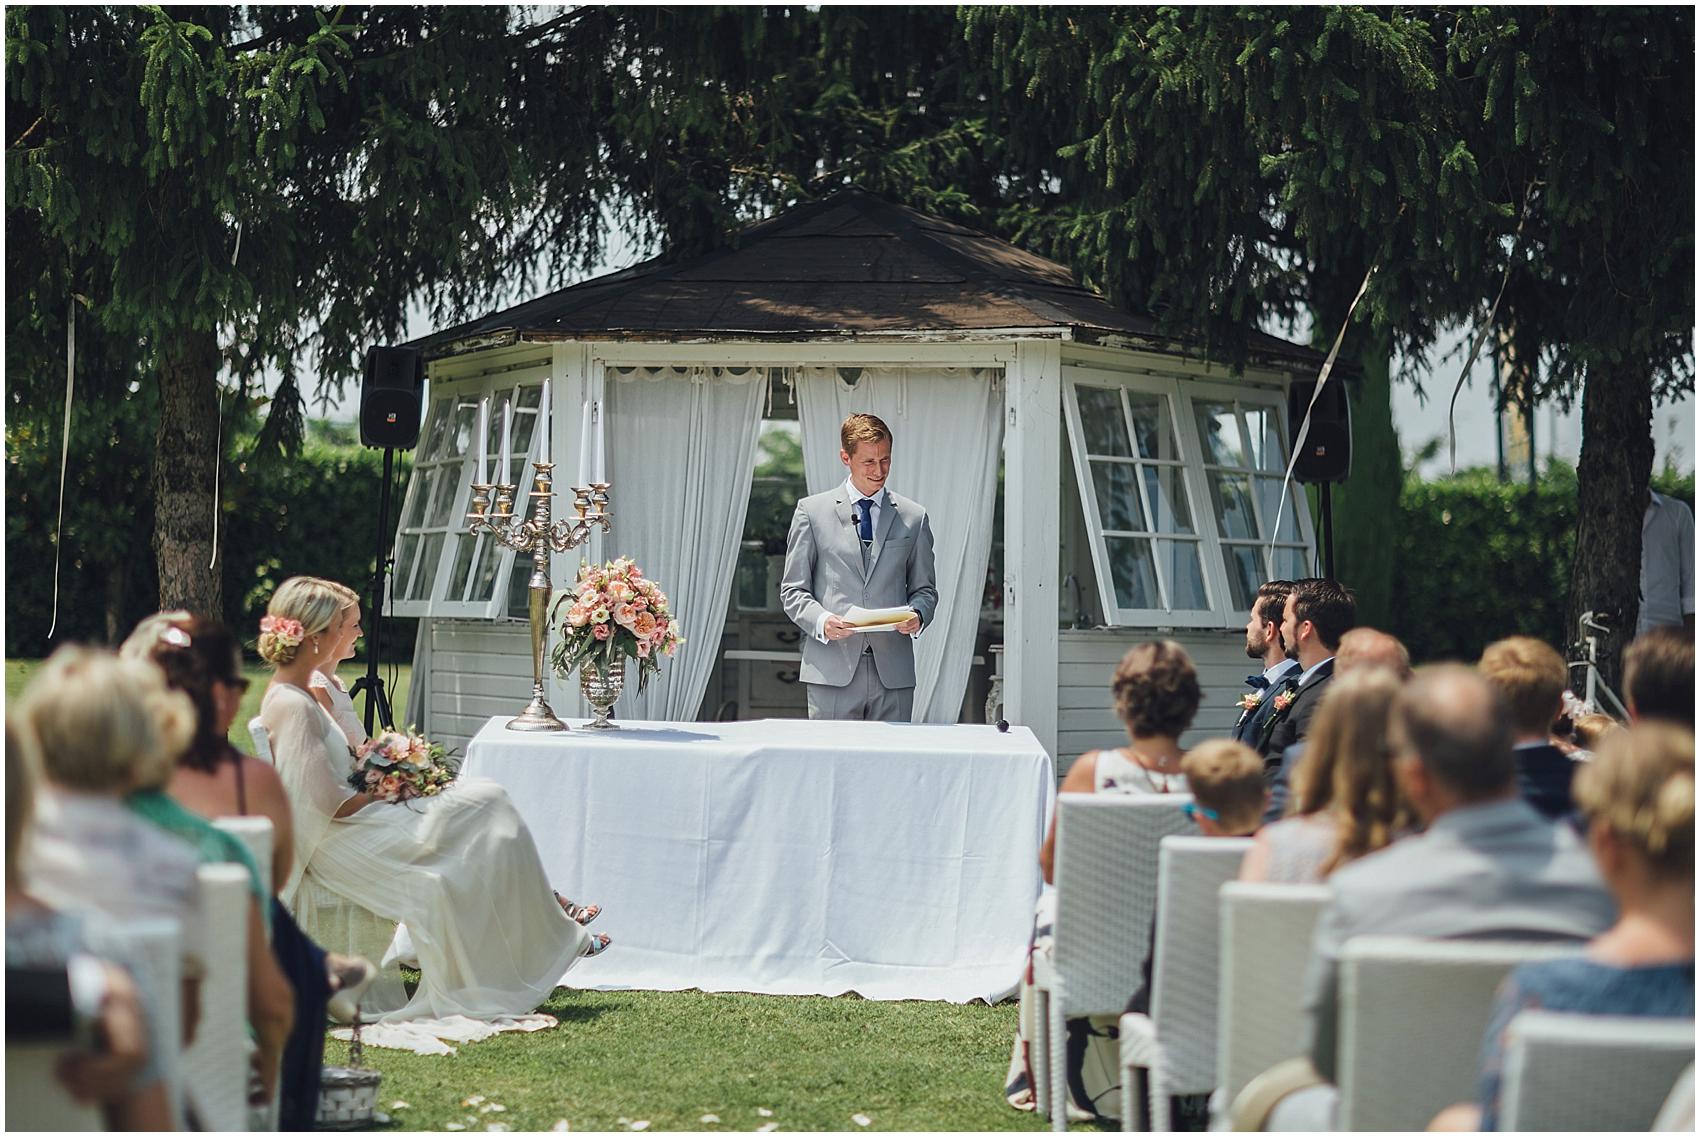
pixel 579 913
pixel 598 945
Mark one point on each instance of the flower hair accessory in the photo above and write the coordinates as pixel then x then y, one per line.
pixel 279 637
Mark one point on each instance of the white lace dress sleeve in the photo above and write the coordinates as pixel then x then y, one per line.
pixel 342 707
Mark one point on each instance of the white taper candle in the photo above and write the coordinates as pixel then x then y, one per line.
pixel 543 424
pixel 507 435
pixel 478 475
pixel 584 445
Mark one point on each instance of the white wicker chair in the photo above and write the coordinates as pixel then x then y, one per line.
pixel 1106 881
pixel 1265 947
pixel 262 740
pixel 1412 1016
pixel 256 836
pixel 1677 1114
pixel 1176 1042
pixel 215 1066
pixel 1590 1072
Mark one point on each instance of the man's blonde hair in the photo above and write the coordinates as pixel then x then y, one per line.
pixel 1227 777
pixel 1530 676
pixel 102 723
pixel 860 428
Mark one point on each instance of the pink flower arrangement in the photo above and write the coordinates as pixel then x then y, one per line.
pixel 398 765
pixel 279 637
pixel 614 613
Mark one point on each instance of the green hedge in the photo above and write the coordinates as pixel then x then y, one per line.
pixel 315 513
pixel 1479 559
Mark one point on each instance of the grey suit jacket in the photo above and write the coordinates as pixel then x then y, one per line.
pixel 824 573
pixel 1493 871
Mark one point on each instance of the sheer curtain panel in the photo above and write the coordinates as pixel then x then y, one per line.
pixel 947 435
pixel 681 446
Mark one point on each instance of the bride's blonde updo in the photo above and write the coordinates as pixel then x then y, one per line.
pixel 101 723
pixel 1641 784
pixel 302 606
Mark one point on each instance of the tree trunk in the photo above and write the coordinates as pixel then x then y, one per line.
pixel 185 460
pixel 1616 464
pixel 1366 505
pixel 117 595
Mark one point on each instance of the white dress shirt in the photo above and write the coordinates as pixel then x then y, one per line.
pixel 856 498
pixel 1309 671
pixel 1667 563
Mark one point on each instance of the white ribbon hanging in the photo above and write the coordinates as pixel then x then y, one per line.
pixel 64 451
pixel 218 446
pixel 1481 336
pixel 1304 427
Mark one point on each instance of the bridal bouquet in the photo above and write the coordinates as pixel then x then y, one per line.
pixel 613 613
pixel 399 765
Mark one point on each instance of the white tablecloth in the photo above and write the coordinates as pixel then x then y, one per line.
pixel 789 857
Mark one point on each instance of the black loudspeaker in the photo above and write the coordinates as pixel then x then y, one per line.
pixel 392 397
pixel 1327 452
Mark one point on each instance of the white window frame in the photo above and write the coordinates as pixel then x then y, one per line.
pixel 1262 398
pixel 507 384
pixel 1179 394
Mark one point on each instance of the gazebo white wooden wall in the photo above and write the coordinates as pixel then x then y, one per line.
pixel 1141 481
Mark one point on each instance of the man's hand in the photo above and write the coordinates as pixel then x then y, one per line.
pixel 910 626
pixel 837 628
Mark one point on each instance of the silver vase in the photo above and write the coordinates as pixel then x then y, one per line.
pixel 601 689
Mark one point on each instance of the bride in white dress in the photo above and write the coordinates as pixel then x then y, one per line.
pixel 460 869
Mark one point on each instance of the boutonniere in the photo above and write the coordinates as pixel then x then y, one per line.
pixel 1284 700
pixel 1250 700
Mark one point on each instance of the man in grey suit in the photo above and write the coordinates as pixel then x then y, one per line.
pixel 858 544
pixel 1487 867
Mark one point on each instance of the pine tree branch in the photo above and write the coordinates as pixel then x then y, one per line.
pixel 25 136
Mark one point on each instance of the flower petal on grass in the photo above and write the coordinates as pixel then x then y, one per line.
pixel 861 1119
pixel 639 1126
pixel 561 1126
pixel 710 1119
pixel 475 1099
pixel 768 1128
pixel 763 1111
pixel 454 1126
pixel 399 1105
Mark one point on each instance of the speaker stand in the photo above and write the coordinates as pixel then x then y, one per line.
pixel 377 701
pixel 1328 530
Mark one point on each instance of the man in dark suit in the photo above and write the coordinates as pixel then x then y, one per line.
pixel 1530 676
pixel 1317 614
pixel 1263 643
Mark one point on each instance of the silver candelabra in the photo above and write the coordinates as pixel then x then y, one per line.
pixel 541 538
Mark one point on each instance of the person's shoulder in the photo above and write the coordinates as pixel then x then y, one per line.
pixel 816 504
pixel 907 508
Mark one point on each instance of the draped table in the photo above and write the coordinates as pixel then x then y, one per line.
pixel 896 860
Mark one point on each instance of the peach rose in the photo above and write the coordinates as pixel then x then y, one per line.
pixel 644 625
pixel 602 631
pixel 624 615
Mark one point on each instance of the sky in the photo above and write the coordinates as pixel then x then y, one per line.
pixel 1417 419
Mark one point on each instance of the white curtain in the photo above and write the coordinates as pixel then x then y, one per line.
pixel 947 436
pixel 680 446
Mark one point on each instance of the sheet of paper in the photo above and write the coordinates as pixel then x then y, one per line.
pixel 877 619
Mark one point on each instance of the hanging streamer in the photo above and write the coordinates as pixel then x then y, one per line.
pixel 1481 336
pixel 64 451
pixel 218 446
pixel 1304 427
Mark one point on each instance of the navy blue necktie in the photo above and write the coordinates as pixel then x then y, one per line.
pixel 866 520
pixel 1256 681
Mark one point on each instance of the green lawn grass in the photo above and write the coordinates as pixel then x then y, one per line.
pixel 670 1058
pixel 18 672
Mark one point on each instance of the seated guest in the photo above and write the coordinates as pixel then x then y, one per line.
pixel 1638 797
pixel 1359 648
pixel 200 658
pixel 1530 677
pixel 1318 612
pixel 1658 676
pixel 64 968
pixel 1347 802
pixel 1589 732
pixel 1156 694
pixel 104 727
pixel 1487 867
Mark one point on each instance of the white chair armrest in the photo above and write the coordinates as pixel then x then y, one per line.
pixel 1044 972
pixel 1138 1041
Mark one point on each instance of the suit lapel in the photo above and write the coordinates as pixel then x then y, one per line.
pixel 888 518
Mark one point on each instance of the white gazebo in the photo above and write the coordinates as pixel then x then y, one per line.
pixel 1140 481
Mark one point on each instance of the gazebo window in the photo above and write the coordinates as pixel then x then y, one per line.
pixel 441 570
pixel 1180 482
pixel 1243 438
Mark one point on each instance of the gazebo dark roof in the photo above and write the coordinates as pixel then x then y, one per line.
pixel 849 265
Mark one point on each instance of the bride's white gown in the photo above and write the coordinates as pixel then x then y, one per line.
pixel 460 869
